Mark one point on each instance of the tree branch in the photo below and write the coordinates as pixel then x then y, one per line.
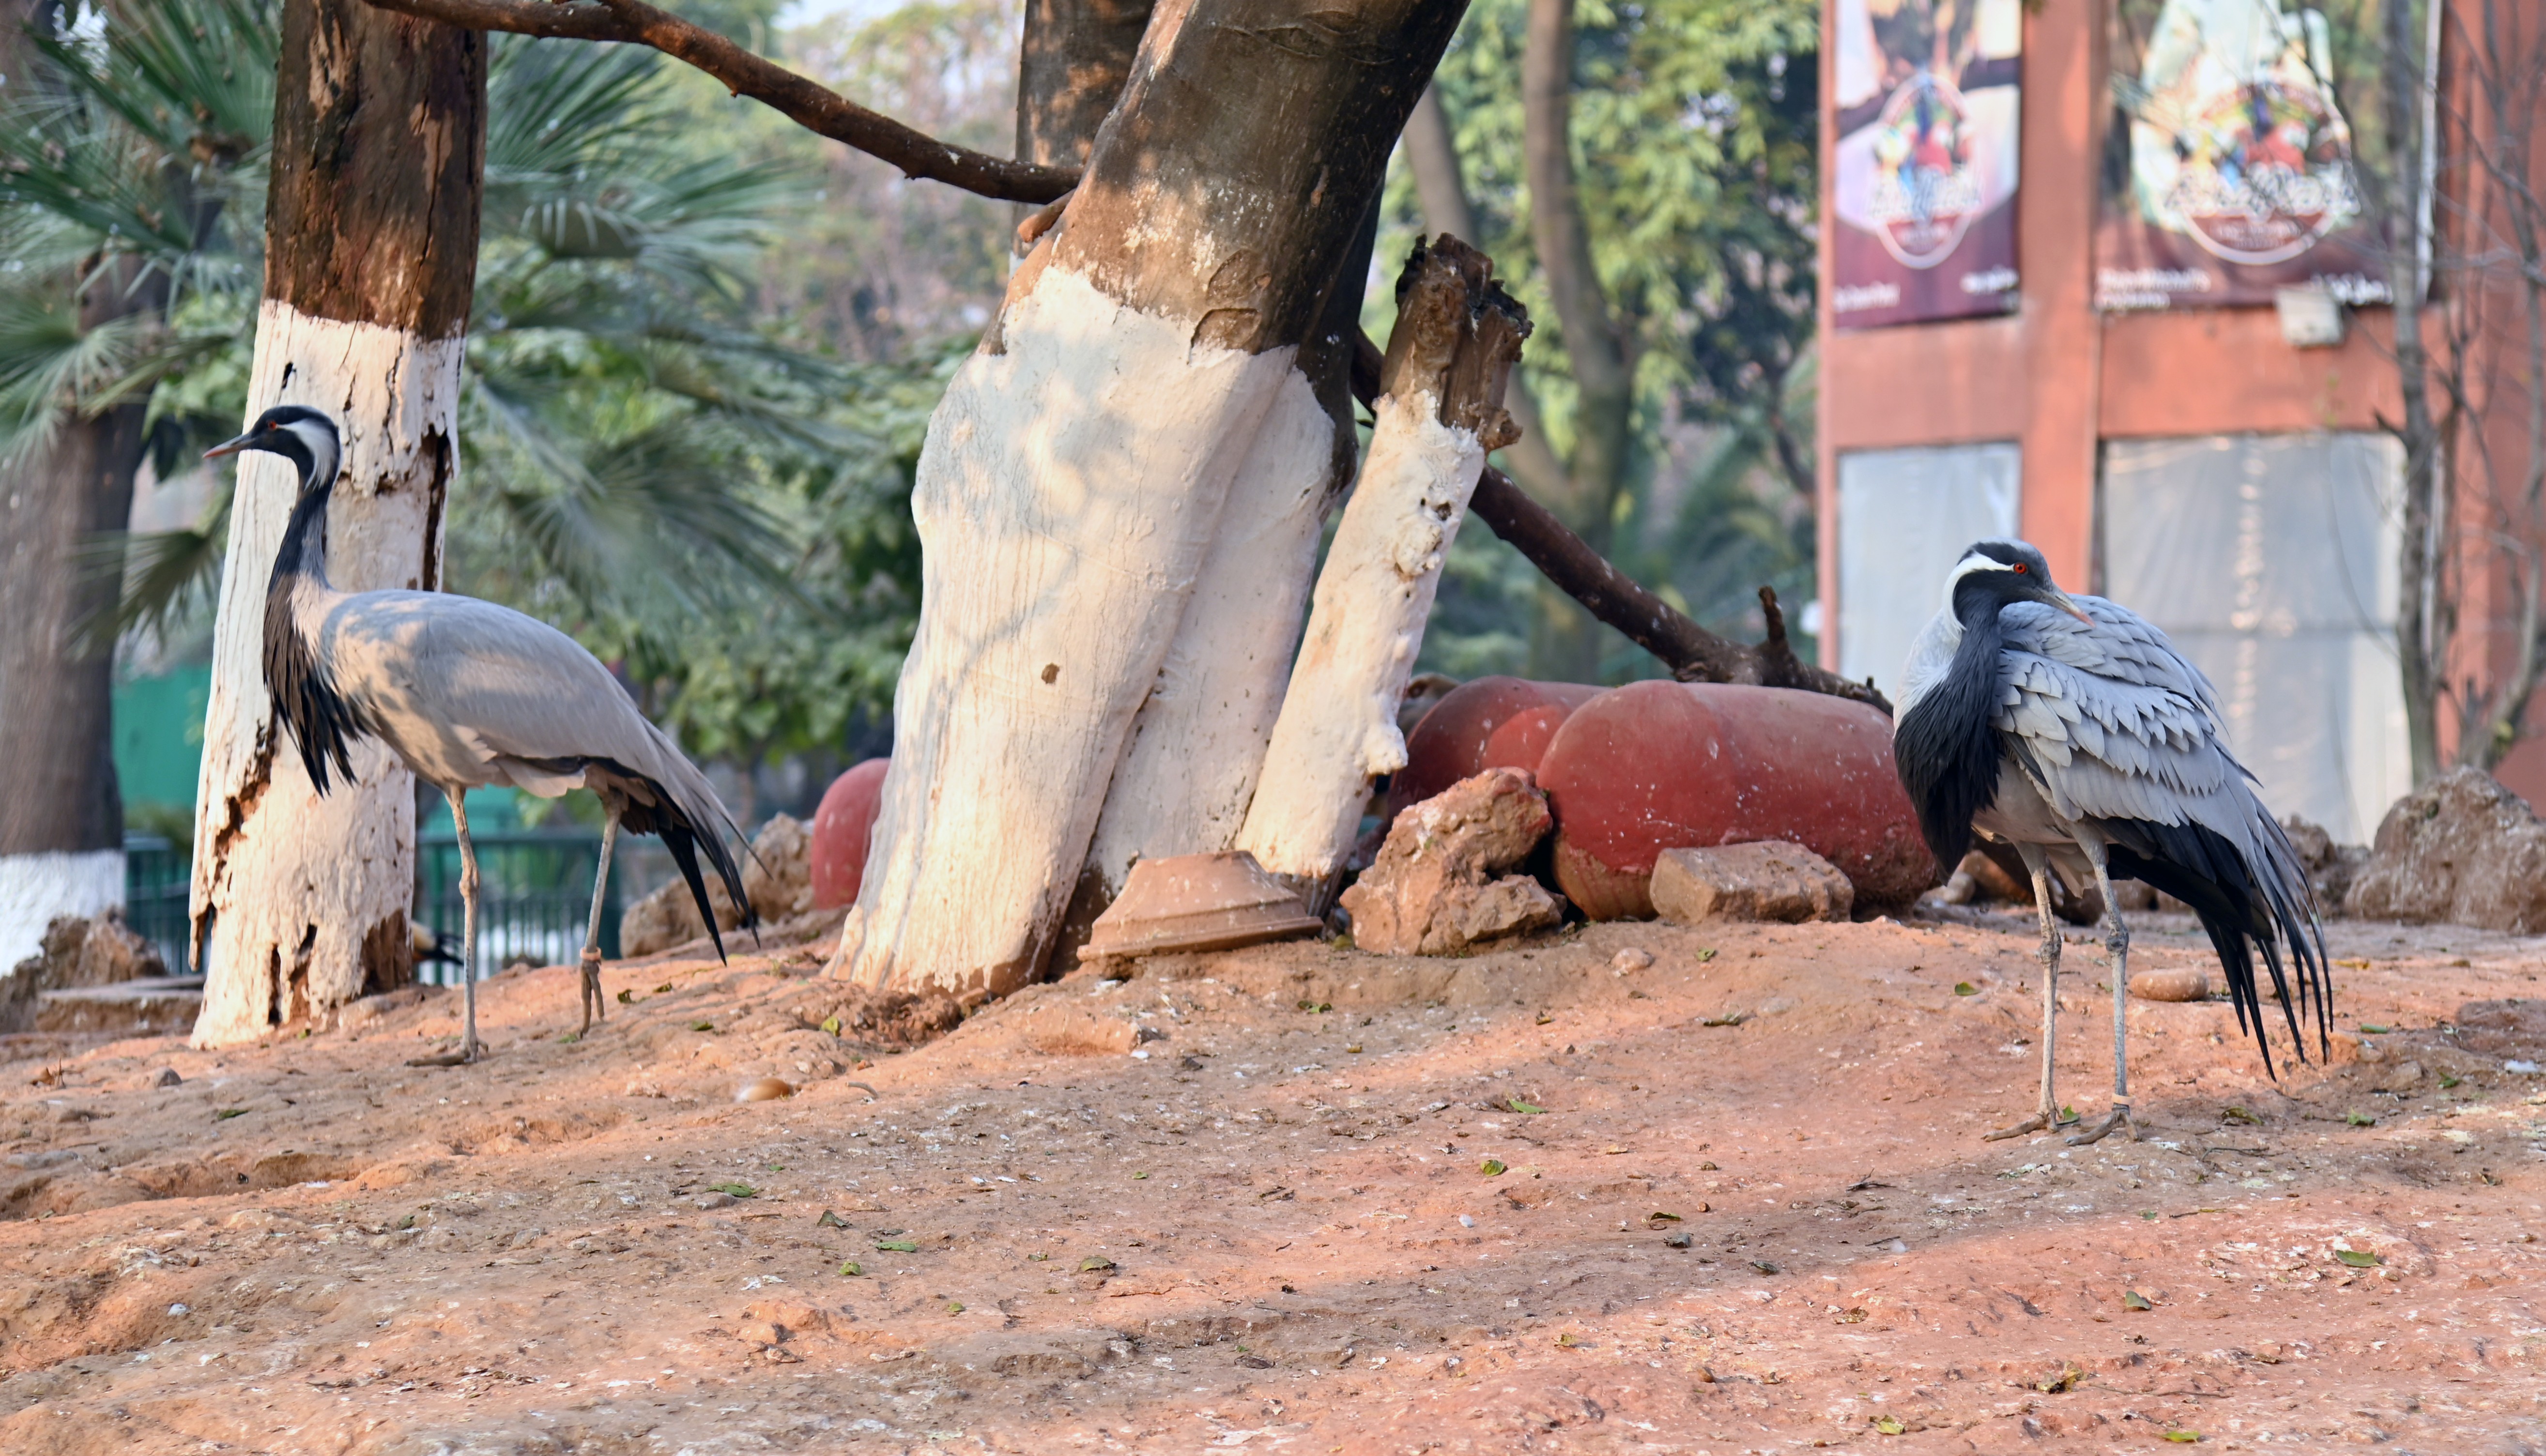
pixel 1693 654
pixel 814 107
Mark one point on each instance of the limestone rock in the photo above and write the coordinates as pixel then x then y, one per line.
pixel 670 916
pixel 1766 880
pixel 1433 890
pixel 2330 866
pixel 2461 848
pixel 778 875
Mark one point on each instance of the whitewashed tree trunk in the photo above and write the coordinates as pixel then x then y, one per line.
pixel 300 902
pixel 1185 779
pixel 1441 414
pixel 1072 490
pixel 1066 500
pixel 300 899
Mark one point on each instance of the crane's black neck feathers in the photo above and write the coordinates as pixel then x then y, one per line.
pixel 322 721
pixel 1946 752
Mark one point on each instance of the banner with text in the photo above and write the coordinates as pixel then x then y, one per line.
pixel 2228 165
pixel 1923 185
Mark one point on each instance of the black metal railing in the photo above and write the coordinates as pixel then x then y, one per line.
pixel 158 878
pixel 535 893
pixel 534 897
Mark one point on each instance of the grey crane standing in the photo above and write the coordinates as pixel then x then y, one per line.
pixel 2073 729
pixel 467 694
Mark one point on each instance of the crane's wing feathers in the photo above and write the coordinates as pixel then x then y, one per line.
pixel 470 692
pixel 2119 731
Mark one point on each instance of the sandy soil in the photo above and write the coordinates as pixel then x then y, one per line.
pixel 1270 1229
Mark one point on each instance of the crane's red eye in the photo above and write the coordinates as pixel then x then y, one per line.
pixel 2020 568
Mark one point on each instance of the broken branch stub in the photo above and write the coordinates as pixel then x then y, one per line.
pixel 1693 654
pixel 1457 336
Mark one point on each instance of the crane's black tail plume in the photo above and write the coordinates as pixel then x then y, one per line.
pixel 2242 907
pixel 686 830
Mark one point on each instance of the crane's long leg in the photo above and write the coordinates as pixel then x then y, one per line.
pixel 2117 945
pixel 592 1006
pixel 469 1049
pixel 2048 1118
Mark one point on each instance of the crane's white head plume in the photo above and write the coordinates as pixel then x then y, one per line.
pixel 298 434
pixel 2001 573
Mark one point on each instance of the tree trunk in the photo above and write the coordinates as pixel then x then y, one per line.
pixel 1071 492
pixel 1071 63
pixel 61 816
pixel 1441 410
pixel 1432 155
pixel 2422 640
pixel 300 902
pixel 1604 371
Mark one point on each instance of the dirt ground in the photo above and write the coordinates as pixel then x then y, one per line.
pixel 1274 1226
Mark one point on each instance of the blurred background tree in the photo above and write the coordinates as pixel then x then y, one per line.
pixel 1692 159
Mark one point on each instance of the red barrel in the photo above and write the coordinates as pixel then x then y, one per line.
pixel 1489 723
pixel 1664 766
pixel 840 831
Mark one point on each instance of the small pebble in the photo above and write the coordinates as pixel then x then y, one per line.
pixel 168 1077
pixel 763 1089
pixel 1631 958
pixel 713 1200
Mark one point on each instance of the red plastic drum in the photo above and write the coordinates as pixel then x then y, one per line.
pixel 1664 766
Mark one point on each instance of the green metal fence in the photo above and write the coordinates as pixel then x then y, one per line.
pixel 157 879
pixel 535 890
pixel 534 895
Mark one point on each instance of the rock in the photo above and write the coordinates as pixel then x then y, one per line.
pixel 777 876
pixel 2330 866
pixel 168 1077
pixel 1631 960
pixel 777 883
pixel 2461 848
pixel 1490 723
pixel 1769 879
pixel 841 828
pixel 2503 1028
pixel 2173 984
pixel 1433 890
pixel 78 952
pixel 1663 765
pixel 763 1089
pixel 670 916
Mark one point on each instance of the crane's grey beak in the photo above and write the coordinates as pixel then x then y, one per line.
pixel 231 447
pixel 2054 597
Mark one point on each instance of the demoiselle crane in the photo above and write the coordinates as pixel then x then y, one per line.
pixel 2073 729
pixel 467 694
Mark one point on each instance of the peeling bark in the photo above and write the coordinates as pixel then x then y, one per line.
pixel 1440 411
pixel 300 902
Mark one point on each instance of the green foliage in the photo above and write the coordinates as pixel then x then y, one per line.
pixel 1695 156
pixel 649 461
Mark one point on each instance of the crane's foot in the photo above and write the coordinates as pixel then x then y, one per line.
pixel 2037 1123
pixel 593 1010
pixel 2117 1120
pixel 466 1052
